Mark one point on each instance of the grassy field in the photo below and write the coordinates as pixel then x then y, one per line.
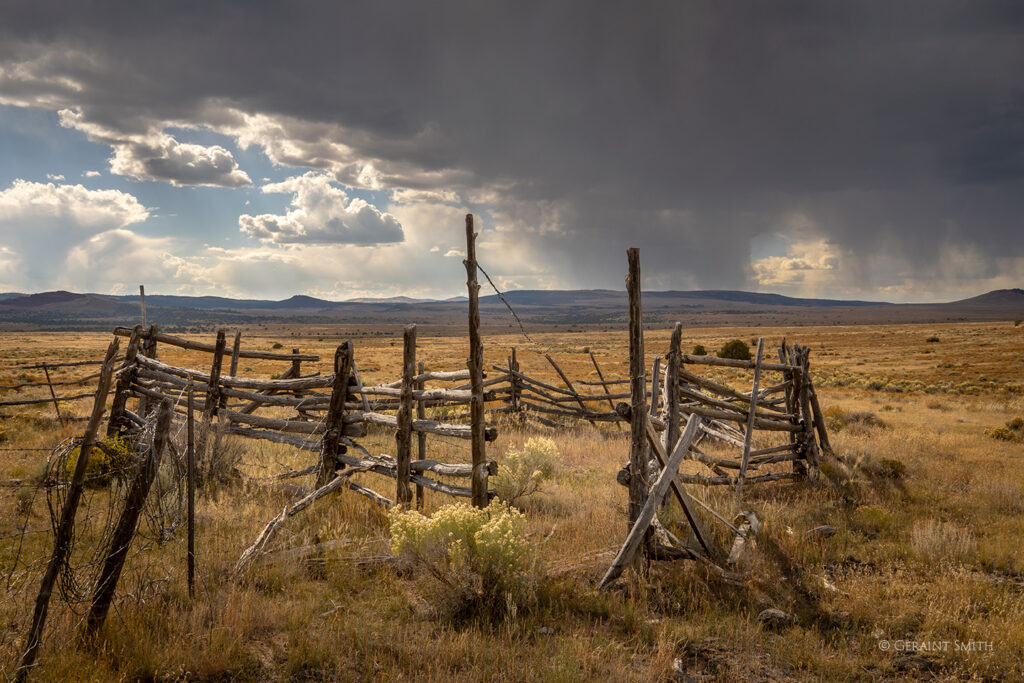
pixel 926 499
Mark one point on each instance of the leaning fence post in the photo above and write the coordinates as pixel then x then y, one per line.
pixel 638 488
pixel 604 385
pixel 49 385
pixel 476 373
pixel 126 525
pixel 403 453
pixel 751 416
pixel 62 537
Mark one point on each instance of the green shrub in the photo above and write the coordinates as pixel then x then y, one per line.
pixel 277 345
pixel 524 470
pixel 736 348
pixel 932 340
pixel 1017 323
pixel 1016 424
pixel 699 350
pixel 481 557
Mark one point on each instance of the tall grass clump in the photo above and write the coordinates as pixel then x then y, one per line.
pixel 524 470
pixel 481 558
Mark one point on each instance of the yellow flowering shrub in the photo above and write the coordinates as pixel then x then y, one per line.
pixel 524 470
pixel 482 555
pixel 114 457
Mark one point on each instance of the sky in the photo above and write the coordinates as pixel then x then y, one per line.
pixel 248 149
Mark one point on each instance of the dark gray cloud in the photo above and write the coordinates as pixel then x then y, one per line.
pixel 892 132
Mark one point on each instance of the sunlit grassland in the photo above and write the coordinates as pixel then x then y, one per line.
pixel 929 554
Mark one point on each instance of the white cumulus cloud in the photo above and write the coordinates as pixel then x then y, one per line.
pixel 321 213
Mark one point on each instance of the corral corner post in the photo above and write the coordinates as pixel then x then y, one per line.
pixel 476 372
pixel 638 485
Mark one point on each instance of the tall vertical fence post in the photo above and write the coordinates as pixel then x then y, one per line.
pixel 476 373
pixel 638 481
pixel 403 454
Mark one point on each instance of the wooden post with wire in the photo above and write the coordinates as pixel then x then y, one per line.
pixel 476 373
pixel 124 531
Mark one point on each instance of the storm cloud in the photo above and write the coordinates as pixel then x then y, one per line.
pixel 879 148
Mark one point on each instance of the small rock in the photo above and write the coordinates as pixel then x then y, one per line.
pixel 823 531
pixel 776 618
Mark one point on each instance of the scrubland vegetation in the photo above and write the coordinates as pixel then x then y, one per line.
pixel 925 500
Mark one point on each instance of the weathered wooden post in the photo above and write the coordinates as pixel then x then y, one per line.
pixel 787 355
pixel 126 525
pixel 212 403
pixel 421 437
pixel 116 423
pixel 638 480
pixel 403 453
pixel 476 373
pixel 810 445
pixel 142 303
pixel 236 348
pixel 65 528
pixel 751 416
pixel 672 426
pixel 148 349
pixel 335 427
pixel 296 372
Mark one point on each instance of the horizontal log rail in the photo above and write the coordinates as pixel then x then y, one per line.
pixel 190 345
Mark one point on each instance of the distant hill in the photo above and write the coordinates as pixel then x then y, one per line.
pixel 539 310
pixel 997 297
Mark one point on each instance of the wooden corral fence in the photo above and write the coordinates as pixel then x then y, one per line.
pixel 671 411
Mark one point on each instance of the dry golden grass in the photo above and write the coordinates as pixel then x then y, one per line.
pixel 932 554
